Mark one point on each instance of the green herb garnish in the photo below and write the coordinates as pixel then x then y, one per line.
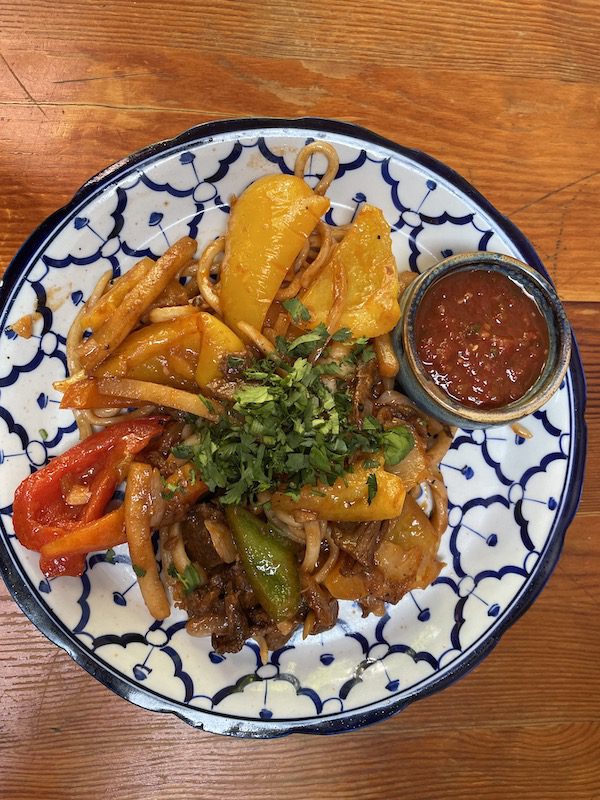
pixel 190 579
pixel 297 310
pixel 170 489
pixel 343 335
pixel 371 487
pixel 43 434
pixel 397 444
pixel 139 571
pixel 235 362
pixel 207 403
pixel 288 428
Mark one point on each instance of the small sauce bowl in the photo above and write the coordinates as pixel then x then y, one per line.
pixel 418 384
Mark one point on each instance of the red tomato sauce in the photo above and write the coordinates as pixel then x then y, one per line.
pixel 481 338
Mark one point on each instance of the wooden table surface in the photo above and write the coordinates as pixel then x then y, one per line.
pixel 507 93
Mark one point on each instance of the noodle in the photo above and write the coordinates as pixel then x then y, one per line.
pixel 324 254
pixel 305 273
pixel 439 515
pixel 333 163
pixel 439 448
pixel 169 313
pixel 256 338
pixel 387 361
pixel 340 287
pixel 329 564
pixel 205 285
pixel 312 530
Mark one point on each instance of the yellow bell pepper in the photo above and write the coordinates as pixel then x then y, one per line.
pixel 365 254
pixel 409 551
pixel 182 353
pixel 347 499
pixel 163 352
pixel 413 529
pixel 268 227
pixel 217 341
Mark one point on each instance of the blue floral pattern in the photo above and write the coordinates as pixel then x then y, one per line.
pixel 509 496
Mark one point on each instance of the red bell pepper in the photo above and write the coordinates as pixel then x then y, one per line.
pixel 41 513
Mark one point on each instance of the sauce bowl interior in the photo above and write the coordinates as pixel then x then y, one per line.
pixel 419 385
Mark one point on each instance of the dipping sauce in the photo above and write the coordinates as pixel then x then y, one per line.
pixel 481 338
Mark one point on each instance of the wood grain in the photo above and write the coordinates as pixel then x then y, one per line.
pixel 506 92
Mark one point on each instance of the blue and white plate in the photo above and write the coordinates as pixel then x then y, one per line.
pixel 511 499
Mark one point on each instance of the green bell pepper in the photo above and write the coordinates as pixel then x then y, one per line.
pixel 269 562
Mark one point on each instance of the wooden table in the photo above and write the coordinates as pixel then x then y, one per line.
pixel 507 93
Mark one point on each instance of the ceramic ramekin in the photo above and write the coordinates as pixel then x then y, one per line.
pixel 419 386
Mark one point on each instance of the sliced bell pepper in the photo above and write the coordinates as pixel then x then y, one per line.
pixel 94 317
pixel 348 499
pixel 40 511
pixel 269 562
pixel 183 353
pixel 163 352
pixel 218 341
pixel 409 551
pixel 84 393
pixel 268 227
pixel 101 534
pixel 413 528
pixel 365 254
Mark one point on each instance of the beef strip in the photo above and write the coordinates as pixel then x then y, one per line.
pixel 361 540
pixel 196 537
pixel 318 600
pixel 158 453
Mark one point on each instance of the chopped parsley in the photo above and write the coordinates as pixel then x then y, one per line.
pixel 171 489
pixel 235 362
pixel 43 434
pixel 190 579
pixel 110 555
pixel 297 310
pixel 288 428
pixel 370 463
pixel 371 487
pixel 139 571
pixel 207 403
pixel 397 444
pixel 343 335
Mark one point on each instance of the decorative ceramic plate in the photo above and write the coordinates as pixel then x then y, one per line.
pixel 511 499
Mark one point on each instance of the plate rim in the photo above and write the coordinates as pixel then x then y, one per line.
pixel 234 726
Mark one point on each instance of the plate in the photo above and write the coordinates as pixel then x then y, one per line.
pixel 511 499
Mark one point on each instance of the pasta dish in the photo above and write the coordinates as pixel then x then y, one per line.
pixel 246 399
